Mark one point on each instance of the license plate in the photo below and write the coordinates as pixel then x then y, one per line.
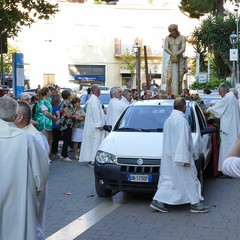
pixel 139 178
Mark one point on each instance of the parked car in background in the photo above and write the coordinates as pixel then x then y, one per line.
pixel 104 98
pixel 69 89
pixel 104 88
pixel 129 158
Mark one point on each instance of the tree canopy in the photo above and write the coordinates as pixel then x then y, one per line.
pixel 14 14
pixel 198 8
pixel 212 36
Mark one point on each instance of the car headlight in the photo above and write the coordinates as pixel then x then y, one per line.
pixel 104 157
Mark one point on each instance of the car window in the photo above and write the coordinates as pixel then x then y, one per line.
pixel 149 118
pixel 104 98
pixel 191 119
pixel 201 118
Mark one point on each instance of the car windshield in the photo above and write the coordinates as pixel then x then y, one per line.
pixel 148 118
pixel 104 98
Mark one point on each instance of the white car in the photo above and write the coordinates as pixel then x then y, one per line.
pixel 129 158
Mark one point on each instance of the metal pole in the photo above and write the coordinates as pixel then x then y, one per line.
pixel 197 64
pixel 139 67
pixel 137 70
pixel 148 81
pixel 234 74
pixel 208 79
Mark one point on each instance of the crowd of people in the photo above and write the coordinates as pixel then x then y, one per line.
pixel 36 127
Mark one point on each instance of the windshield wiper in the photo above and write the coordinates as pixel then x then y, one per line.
pixel 133 130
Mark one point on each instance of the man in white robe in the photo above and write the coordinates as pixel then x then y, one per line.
pixel 115 107
pixel 231 165
pixel 23 175
pixel 227 110
pixel 178 182
pixel 93 133
pixel 24 121
pixel 127 97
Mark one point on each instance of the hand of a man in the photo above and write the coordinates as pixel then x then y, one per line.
pixel 174 59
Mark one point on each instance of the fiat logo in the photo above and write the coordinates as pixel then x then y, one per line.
pixel 139 161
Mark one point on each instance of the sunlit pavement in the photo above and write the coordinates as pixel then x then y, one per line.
pixel 75 212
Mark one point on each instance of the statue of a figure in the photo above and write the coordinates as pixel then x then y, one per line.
pixel 175 45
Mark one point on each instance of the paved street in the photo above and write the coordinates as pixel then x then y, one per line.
pixel 75 212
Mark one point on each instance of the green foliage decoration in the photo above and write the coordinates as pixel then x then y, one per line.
pixel 213 84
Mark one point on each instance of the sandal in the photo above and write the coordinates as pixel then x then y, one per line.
pixel 76 157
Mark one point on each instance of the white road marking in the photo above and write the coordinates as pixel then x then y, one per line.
pixel 84 222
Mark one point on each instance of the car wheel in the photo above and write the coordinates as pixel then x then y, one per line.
pixel 100 191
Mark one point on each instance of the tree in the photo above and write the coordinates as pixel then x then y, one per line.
pixel 213 36
pixel 14 14
pixel 128 61
pixel 8 60
pixel 198 8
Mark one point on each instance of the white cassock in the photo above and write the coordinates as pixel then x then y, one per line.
pixel 92 135
pixel 178 184
pixel 229 113
pixel 125 101
pixel 231 167
pixel 23 175
pixel 41 138
pixel 115 108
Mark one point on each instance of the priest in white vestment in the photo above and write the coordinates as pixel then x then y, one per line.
pixel 23 121
pixel 23 175
pixel 127 97
pixel 228 111
pixel 178 182
pixel 93 133
pixel 115 107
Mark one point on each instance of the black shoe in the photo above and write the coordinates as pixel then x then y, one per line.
pixel 199 208
pixel 159 206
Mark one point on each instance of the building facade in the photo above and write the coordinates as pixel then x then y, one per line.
pixel 82 44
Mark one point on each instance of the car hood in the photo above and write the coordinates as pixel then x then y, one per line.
pixel 133 144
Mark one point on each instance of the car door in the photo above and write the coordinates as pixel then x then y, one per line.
pixel 206 142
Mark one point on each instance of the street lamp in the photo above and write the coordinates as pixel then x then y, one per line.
pixel 236 7
pixel 233 56
pixel 136 49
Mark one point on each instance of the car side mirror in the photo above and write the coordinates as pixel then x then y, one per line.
pixel 107 128
pixel 208 130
